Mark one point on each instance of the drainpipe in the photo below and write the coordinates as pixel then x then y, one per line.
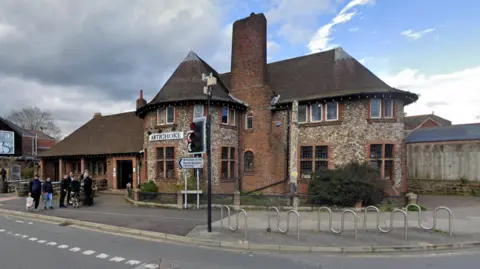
pixel 287 155
pixel 240 153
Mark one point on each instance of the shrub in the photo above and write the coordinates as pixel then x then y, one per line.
pixel 347 185
pixel 28 172
pixel 149 186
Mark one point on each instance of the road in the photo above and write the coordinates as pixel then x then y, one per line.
pixel 33 244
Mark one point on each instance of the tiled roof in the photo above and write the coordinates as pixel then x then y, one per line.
pixel 412 122
pixel 104 135
pixel 41 135
pixel 16 128
pixel 445 133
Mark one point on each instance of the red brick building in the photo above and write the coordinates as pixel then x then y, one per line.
pixel 425 121
pixel 271 123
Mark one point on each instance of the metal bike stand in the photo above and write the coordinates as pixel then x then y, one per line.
pixel 269 229
pixel 392 215
pixel 237 219
pixel 435 216
pixel 355 228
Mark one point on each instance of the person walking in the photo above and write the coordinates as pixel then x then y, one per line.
pixel 69 191
pixel 87 189
pixel 35 190
pixel 47 193
pixel 64 188
pixel 3 174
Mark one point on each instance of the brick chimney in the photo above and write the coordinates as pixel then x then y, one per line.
pixel 97 115
pixel 140 101
pixel 249 52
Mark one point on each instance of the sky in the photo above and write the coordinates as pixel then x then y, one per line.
pixel 75 58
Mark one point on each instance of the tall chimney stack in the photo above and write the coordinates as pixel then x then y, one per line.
pixel 249 52
pixel 140 101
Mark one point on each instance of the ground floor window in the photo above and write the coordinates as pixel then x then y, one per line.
pixel 381 158
pixel 227 165
pixel 76 167
pixel 313 159
pixel 166 162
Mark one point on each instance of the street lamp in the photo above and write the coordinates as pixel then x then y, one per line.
pixel 211 81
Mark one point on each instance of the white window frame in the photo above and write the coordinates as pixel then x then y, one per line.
pixel 228 115
pixel 166 115
pixel 246 121
pixel 380 110
pixel 202 109
pixel 306 114
pixel 232 122
pixel 320 107
pixel 326 111
pixel 391 109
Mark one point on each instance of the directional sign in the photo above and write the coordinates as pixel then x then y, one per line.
pixel 189 163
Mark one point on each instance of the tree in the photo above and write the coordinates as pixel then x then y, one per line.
pixel 35 119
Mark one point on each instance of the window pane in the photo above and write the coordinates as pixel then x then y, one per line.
pixel 388 173
pixel 376 164
pixel 232 153
pixel 231 117
pixel 375 108
pixel 170 152
pixel 161 116
pixel 160 169
pixel 321 152
pixel 388 151
pixel 232 169
pixel 302 113
pixel 225 115
pixel 224 170
pixel 306 152
pixel 316 111
pixel 305 168
pixel 170 169
pixel 197 111
pixel 248 161
pixel 388 108
pixel 160 154
pixel 321 165
pixel 224 153
pixel 249 122
pixel 170 114
pixel 332 108
pixel 100 168
pixel 375 151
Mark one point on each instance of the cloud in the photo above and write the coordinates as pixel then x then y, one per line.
pixel 77 57
pixel 321 39
pixel 477 117
pixel 454 94
pixel 354 29
pixel 411 35
pixel 272 48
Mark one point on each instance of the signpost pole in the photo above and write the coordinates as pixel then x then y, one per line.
pixel 198 188
pixel 186 194
pixel 209 160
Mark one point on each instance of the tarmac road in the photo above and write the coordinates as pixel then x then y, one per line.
pixel 33 244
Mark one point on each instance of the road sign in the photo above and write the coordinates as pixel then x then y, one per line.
pixel 189 163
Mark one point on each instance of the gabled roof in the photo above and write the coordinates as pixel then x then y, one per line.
pixel 103 135
pixel 41 135
pixel 16 128
pixel 186 84
pixel 328 74
pixel 460 132
pixel 412 122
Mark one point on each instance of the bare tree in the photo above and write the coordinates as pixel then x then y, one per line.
pixel 33 118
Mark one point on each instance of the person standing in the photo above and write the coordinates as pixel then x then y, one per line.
pixel 3 174
pixel 70 179
pixel 64 187
pixel 87 188
pixel 47 193
pixel 35 190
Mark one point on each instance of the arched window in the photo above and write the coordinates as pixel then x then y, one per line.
pixel 248 161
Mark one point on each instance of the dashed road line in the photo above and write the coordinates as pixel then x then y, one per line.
pixel 63 246
pixel 17 235
pixel 30 223
pixel 75 249
pixel 117 259
pixel 19 221
pixel 33 239
pixel 151 266
pixel 41 241
pixel 52 244
pixel 24 236
pixel 102 256
pixel 88 252
pixel 133 262
pixel 2 230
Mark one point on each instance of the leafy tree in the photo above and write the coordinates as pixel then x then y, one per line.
pixel 33 118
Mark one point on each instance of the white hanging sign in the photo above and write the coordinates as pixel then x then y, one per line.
pixel 166 136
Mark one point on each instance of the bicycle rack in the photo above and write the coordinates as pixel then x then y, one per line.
pixel 269 229
pixel 392 215
pixel 237 219
pixel 435 215
pixel 342 220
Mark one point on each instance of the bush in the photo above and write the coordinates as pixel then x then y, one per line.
pixel 347 185
pixel 149 186
pixel 28 172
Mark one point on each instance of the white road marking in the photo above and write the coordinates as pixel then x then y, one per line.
pixel 63 246
pixel 75 249
pixel 30 223
pixel 33 239
pixel 117 259
pixel 41 241
pixel 133 262
pixel 102 256
pixel 2 230
pixel 9 232
pixel 51 244
pixel 17 235
pixel 151 266
pixel 24 236
pixel 19 221
pixel 7 217
pixel 88 252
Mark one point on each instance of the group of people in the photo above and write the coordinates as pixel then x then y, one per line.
pixel 69 186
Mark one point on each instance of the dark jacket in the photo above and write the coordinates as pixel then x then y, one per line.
pixel 35 186
pixel 65 183
pixel 87 184
pixel 75 186
pixel 3 173
pixel 47 187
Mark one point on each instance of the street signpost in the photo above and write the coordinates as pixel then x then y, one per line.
pixel 191 163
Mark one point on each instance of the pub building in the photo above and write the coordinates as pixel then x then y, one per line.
pixel 271 123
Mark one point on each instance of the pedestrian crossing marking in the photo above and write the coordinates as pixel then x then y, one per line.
pixel 88 252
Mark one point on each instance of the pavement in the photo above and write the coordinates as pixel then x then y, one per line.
pixel 29 243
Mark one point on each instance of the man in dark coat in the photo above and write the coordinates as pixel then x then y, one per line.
pixel 87 189
pixel 35 190
pixel 3 174
pixel 64 188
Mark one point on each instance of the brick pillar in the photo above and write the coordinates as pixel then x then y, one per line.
pixel 82 165
pixel 42 168
pixel 61 168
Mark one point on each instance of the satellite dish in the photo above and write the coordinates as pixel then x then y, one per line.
pixel 275 99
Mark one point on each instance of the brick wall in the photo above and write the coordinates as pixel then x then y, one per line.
pixel 443 187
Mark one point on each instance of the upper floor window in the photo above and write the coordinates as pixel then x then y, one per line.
pixel 315 113
pixel 166 115
pixel 318 112
pixel 197 111
pixel 302 113
pixel 381 108
pixel 249 121
pixel 248 161
pixel 332 111
pixel 228 116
